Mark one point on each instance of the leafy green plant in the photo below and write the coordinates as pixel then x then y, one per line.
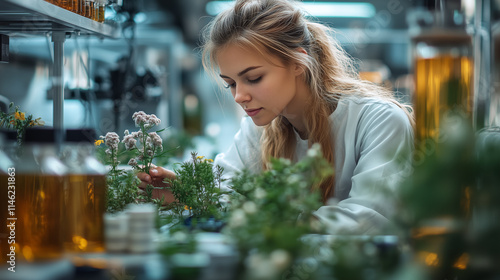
pixel 146 146
pixel 122 190
pixel 196 188
pixel 122 185
pixel 140 148
pixel 272 210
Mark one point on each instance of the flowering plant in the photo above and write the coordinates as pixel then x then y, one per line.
pixel 122 185
pixel 145 146
pixel 18 121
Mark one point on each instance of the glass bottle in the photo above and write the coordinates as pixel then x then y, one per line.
pixel 101 11
pixel 86 8
pixel 7 198
pixel 92 10
pixel 65 4
pixel 74 6
pixel 443 69
pixel 39 197
pixel 85 193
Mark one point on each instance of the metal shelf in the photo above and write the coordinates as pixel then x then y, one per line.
pixel 35 17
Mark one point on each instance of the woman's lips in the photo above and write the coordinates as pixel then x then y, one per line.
pixel 252 112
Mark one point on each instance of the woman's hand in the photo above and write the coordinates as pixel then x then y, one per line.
pixel 155 178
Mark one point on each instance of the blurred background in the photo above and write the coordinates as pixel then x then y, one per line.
pixel 147 58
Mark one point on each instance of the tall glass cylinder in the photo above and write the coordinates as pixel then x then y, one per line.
pixel 443 70
pixel 39 198
pixel 7 197
pixel 85 193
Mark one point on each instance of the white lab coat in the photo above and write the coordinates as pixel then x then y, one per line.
pixel 373 142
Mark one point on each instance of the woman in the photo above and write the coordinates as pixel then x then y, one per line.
pixel 298 87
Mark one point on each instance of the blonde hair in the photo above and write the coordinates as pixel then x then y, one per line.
pixel 279 28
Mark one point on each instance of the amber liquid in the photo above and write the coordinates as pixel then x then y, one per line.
pixel 39 208
pixel 442 84
pixel 101 17
pixel 86 9
pixel 66 4
pixel 85 202
pixel 4 231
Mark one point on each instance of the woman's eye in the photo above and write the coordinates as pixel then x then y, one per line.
pixel 255 80
pixel 230 85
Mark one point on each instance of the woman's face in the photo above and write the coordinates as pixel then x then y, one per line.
pixel 264 88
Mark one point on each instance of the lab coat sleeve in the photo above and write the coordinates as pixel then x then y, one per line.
pixel 383 145
pixel 244 153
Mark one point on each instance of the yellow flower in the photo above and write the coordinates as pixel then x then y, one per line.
pixel 209 160
pixel 19 116
pixel 98 142
pixel 187 207
pixel 200 157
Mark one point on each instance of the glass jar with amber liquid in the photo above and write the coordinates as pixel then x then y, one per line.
pixel 84 194
pixel 7 200
pixel 443 70
pixel 101 10
pixel 39 197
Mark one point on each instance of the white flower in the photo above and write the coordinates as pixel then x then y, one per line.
pixel 179 237
pixel 280 259
pixel 314 151
pixel 157 141
pixel 138 114
pixel 129 141
pixel 249 207
pixel 111 140
pixel 140 120
pixel 260 267
pixel 126 132
pixel 132 162
pixel 294 178
pixel 150 153
pixel 153 119
pixel 238 218
pixel 260 193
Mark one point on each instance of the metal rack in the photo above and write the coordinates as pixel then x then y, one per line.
pixel 21 18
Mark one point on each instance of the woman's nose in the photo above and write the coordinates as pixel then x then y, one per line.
pixel 241 95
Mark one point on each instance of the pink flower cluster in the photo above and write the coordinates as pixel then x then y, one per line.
pixel 145 119
pixel 111 140
pixel 130 139
pixel 155 140
pixel 146 143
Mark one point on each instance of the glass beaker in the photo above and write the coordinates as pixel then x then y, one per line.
pixel 7 201
pixel 443 69
pixel 39 197
pixel 85 193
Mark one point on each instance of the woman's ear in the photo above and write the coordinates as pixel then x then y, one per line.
pixel 299 68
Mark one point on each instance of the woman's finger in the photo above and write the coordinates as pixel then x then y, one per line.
pixel 161 173
pixel 145 177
